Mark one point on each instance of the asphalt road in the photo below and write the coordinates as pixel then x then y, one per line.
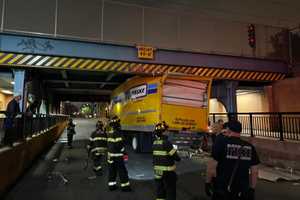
pixel 59 175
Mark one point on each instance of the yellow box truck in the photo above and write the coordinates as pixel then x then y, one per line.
pixel 143 101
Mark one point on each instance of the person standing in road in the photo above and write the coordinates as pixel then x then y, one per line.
pixel 216 129
pixel 98 147
pixel 164 157
pixel 115 157
pixel 13 108
pixel 228 175
pixel 70 132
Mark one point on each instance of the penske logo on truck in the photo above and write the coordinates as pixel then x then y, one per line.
pixel 137 92
pixel 143 90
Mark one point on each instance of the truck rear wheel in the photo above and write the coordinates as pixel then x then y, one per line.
pixel 142 143
pixel 136 144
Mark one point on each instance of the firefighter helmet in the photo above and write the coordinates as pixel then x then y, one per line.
pixel 115 122
pixel 160 128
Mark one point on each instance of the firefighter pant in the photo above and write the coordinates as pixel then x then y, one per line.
pixel 166 186
pixel 98 164
pixel 116 166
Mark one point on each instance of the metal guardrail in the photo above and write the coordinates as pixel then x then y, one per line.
pixel 24 125
pixel 281 125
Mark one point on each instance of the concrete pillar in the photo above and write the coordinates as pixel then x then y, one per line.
pixel 19 79
pixel 230 98
pixel 225 92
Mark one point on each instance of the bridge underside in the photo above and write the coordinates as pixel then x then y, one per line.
pixel 83 71
pixel 124 67
pixel 80 86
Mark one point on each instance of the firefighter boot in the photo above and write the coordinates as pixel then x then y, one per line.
pixel 126 189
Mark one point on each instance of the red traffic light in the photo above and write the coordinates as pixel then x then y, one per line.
pixel 251 35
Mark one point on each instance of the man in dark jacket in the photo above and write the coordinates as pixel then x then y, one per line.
pixel 228 176
pixel 115 156
pixel 13 108
pixel 164 157
pixel 97 147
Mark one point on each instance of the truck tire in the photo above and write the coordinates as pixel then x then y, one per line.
pixel 142 143
pixel 136 144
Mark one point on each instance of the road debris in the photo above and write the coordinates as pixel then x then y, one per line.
pixel 92 177
pixel 276 174
pixel 54 175
pixel 140 175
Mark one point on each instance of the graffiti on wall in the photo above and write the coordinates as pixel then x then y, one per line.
pixel 33 45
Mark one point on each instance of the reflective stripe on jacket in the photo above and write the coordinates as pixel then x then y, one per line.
pixel 115 144
pixel 98 142
pixel 163 152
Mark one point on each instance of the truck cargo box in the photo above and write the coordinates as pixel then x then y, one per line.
pixel 180 101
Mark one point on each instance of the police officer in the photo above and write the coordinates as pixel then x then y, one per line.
pixel 115 154
pixel 97 147
pixel 164 157
pixel 70 132
pixel 228 174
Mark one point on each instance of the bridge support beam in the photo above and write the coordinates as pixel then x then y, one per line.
pixel 225 92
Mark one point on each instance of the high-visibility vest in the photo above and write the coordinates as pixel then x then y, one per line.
pixel 115 144
pixel 98 142
pixel 163 152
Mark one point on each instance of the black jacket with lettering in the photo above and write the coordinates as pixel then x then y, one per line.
pixel 164 156
pixel 98 142
pixel 227 151
pixel 115 143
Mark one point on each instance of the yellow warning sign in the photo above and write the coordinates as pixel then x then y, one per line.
pixel 145 52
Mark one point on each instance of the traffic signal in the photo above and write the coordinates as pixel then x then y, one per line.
pixel 251 35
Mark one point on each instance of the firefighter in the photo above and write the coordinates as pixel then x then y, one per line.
pixel 115 154
pixel 97 147
pixel 70 132
pixel 164 157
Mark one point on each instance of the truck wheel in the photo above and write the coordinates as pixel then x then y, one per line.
pixel 136 144
pixel 142 143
